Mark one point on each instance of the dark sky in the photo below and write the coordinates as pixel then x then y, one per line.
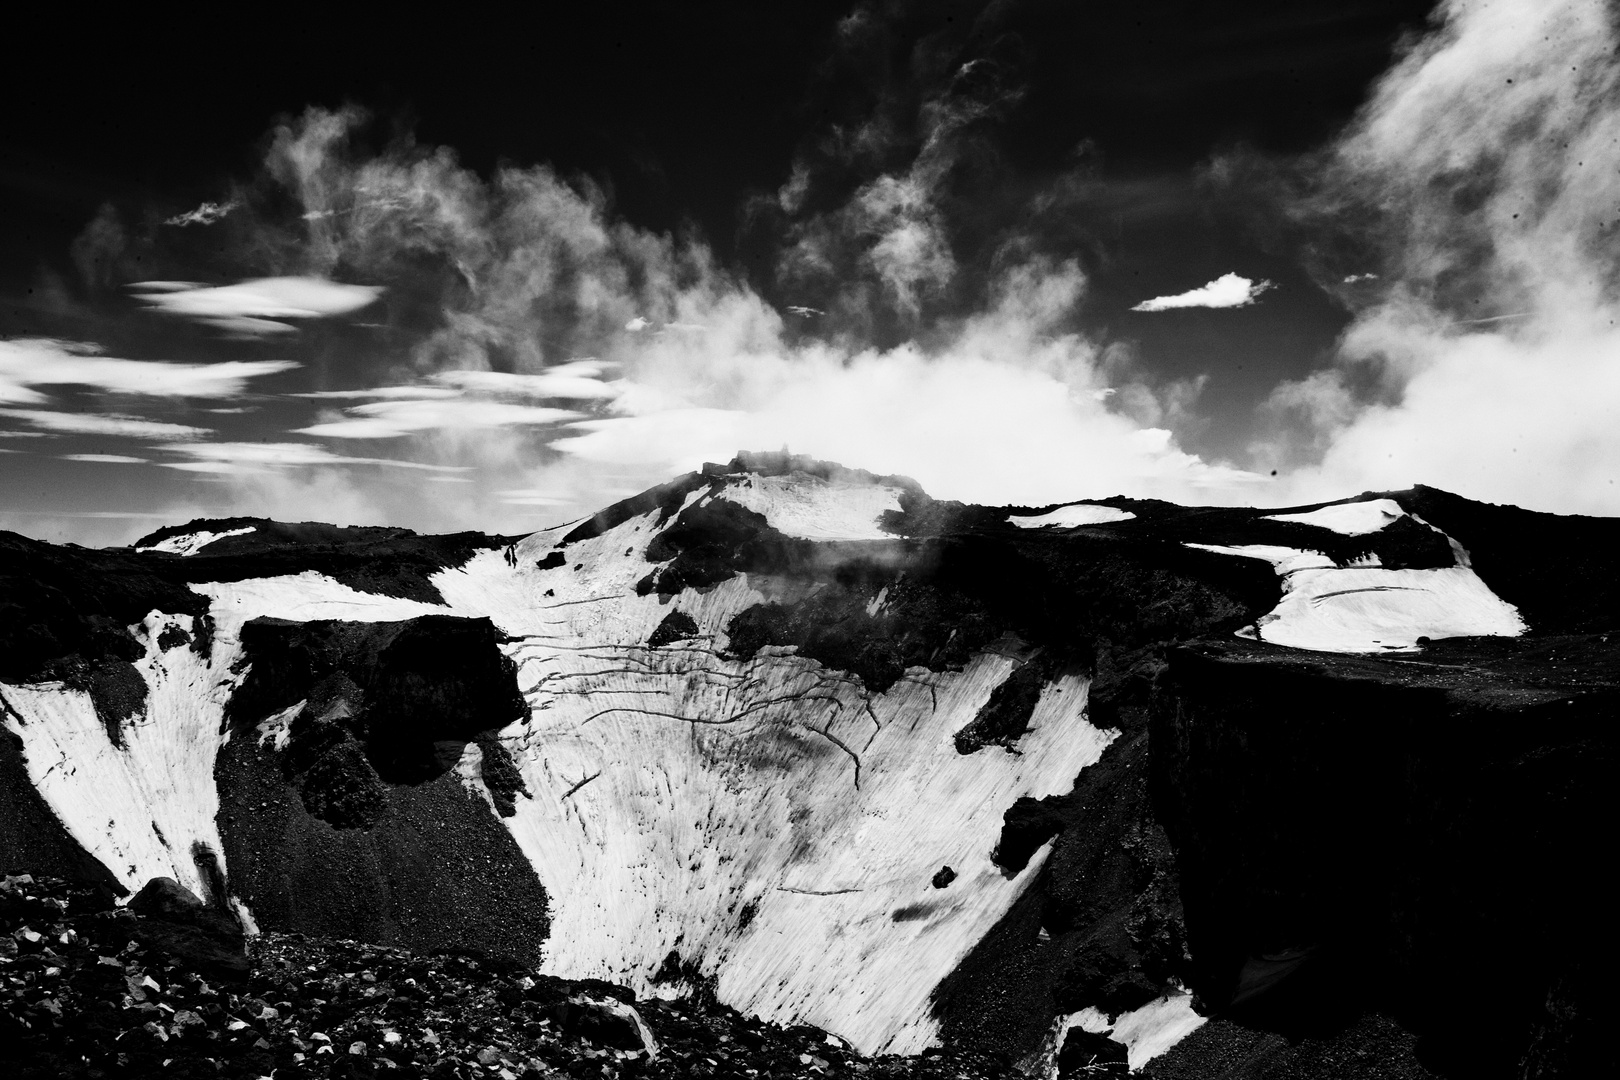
pixel 1082 131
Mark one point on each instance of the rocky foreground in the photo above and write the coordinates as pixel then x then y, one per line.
pixel 167 987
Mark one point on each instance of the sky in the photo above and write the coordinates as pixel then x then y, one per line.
pixel 467 275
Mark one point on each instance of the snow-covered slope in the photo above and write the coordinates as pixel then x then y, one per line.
pixel 192 542
pixel 1364 607
pixel 769 821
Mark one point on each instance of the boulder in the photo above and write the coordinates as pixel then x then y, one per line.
pixel 605 1021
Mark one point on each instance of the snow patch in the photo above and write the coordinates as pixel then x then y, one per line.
pixel 277 729
pixel 306 597
pixel 811 508
pixel 140 809
pixel 1349 519
pixel 1145 1033
pixel 191 543
pixel 1366 609
pixel 1067 517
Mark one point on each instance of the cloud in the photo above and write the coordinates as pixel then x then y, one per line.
pixel 253 308
pixel 241 458
pixel 383 392
pixel 1226 291
pixel 206 214
pixel 512 277
pixel 393 419
pixel 106 459
pixel 573 382
pixel 1484 173
pixel 97 424
pixel 30 362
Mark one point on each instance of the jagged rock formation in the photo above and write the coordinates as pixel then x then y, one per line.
pixel 1020 780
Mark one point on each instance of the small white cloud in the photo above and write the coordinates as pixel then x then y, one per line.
pixel 106 459
pixel 252 308
pixel 1351 279
pixel 30 362
pixel 1226 291
pixel 392 419
pixel 96 424
pixel 637 325
pixel 804 312
pixel 206 214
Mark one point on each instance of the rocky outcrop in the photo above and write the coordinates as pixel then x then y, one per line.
pixel 348 816
pixel 1350 832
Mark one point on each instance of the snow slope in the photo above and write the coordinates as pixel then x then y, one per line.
pixel 1349 519
pixel 140 809
pixel 1067 517
pixel 191 543
pixel 770 822
pixel 1364 608
pixel 815 509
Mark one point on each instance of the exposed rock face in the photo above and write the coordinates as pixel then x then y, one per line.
pixel 1350 831
pixel 809 742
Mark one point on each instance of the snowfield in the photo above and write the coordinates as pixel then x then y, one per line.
pixel 1363 608
pixel 1067 517
pixel 1349 519
pixel 814 509
pixel 191 543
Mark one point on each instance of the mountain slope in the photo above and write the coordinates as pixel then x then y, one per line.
pixel 794 734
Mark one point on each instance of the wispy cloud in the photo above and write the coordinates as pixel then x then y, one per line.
pixel 98 424
pixel 241 458
pixel 393 419
pixel 570 382
pixel 106 459
pixel 254 308
pixel 1226 291
pixel 206 214
pixel 30 362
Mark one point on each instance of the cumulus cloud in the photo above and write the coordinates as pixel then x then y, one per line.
pixel 30 362
pixel 256 307
pixel 97 424
pixel 1226 291
pixel 1485 173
